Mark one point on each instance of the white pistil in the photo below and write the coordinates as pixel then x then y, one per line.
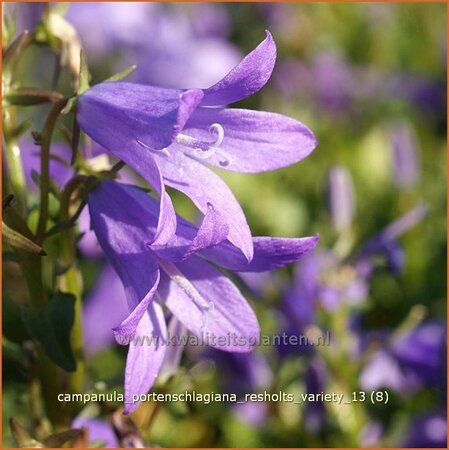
pixel 205 307
pixel 206 149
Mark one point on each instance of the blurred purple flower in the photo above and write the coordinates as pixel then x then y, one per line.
pixel 371 434
pixel 341 89
pixel 107 295
pixel 422 351
pixel 172 45
pixel 27 14
pixel 408 360
pixel 254 413
pixel 124 219
pixel 427 431
pixel 316 382
pixel 405 155
pixel 327 80
pixel 186 46
pixel 60 170
pixel 167 134
pixel 257 282
pixel 241 374
pixel 385 243
pixel 321 279
pixel 100 432
pixel 88 243
pixel 105 27
pixel 341 201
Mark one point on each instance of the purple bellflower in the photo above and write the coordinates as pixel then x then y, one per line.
pixel 100 432
pixel 341 198
pixel 427 431
pixel 322 280
pixel 405 159
pixel 240 374
pixel 169 43
pixel 27 14
pixel 59 167
pixel 316 381
pixel 178 276
pixel 96 324
pixel 168 135
pixel 408 360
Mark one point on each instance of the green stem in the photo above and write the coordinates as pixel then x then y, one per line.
pixel 14 161
pixel 45 167
pixel 350 417
pixel 71 281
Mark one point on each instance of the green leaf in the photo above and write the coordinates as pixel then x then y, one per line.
pixel 123 74
pixel 23 127
pixel 51 326
pixel 19 241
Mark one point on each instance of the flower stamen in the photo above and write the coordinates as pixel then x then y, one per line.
pixel 205 307
pixel 206 149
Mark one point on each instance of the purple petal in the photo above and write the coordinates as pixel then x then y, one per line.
pixel 254 413
pixel 341 198
pixel 107 295
pixel 209 305
pixel 300 299
pixel 88 243
pixel 114 114
pixel 254 141
pixel 404 155
pixel 382 370
pixel 384 243
pixel 246 78
pixel 269 253
pixel 142 161
pixel 212 231
pixel 316 381
pixel 60 169
pixel 128 326
pixel 206 188
pixel 145 357
pixel 122 233
pixel 98 431
pixel 422 351
pixel 427 430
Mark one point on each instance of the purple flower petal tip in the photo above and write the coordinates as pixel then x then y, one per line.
pixel 248 77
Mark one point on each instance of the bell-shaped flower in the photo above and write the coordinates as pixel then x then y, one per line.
pixel 181 276
pixel 169 136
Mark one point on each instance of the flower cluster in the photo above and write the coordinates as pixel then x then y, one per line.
pixel 169 137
